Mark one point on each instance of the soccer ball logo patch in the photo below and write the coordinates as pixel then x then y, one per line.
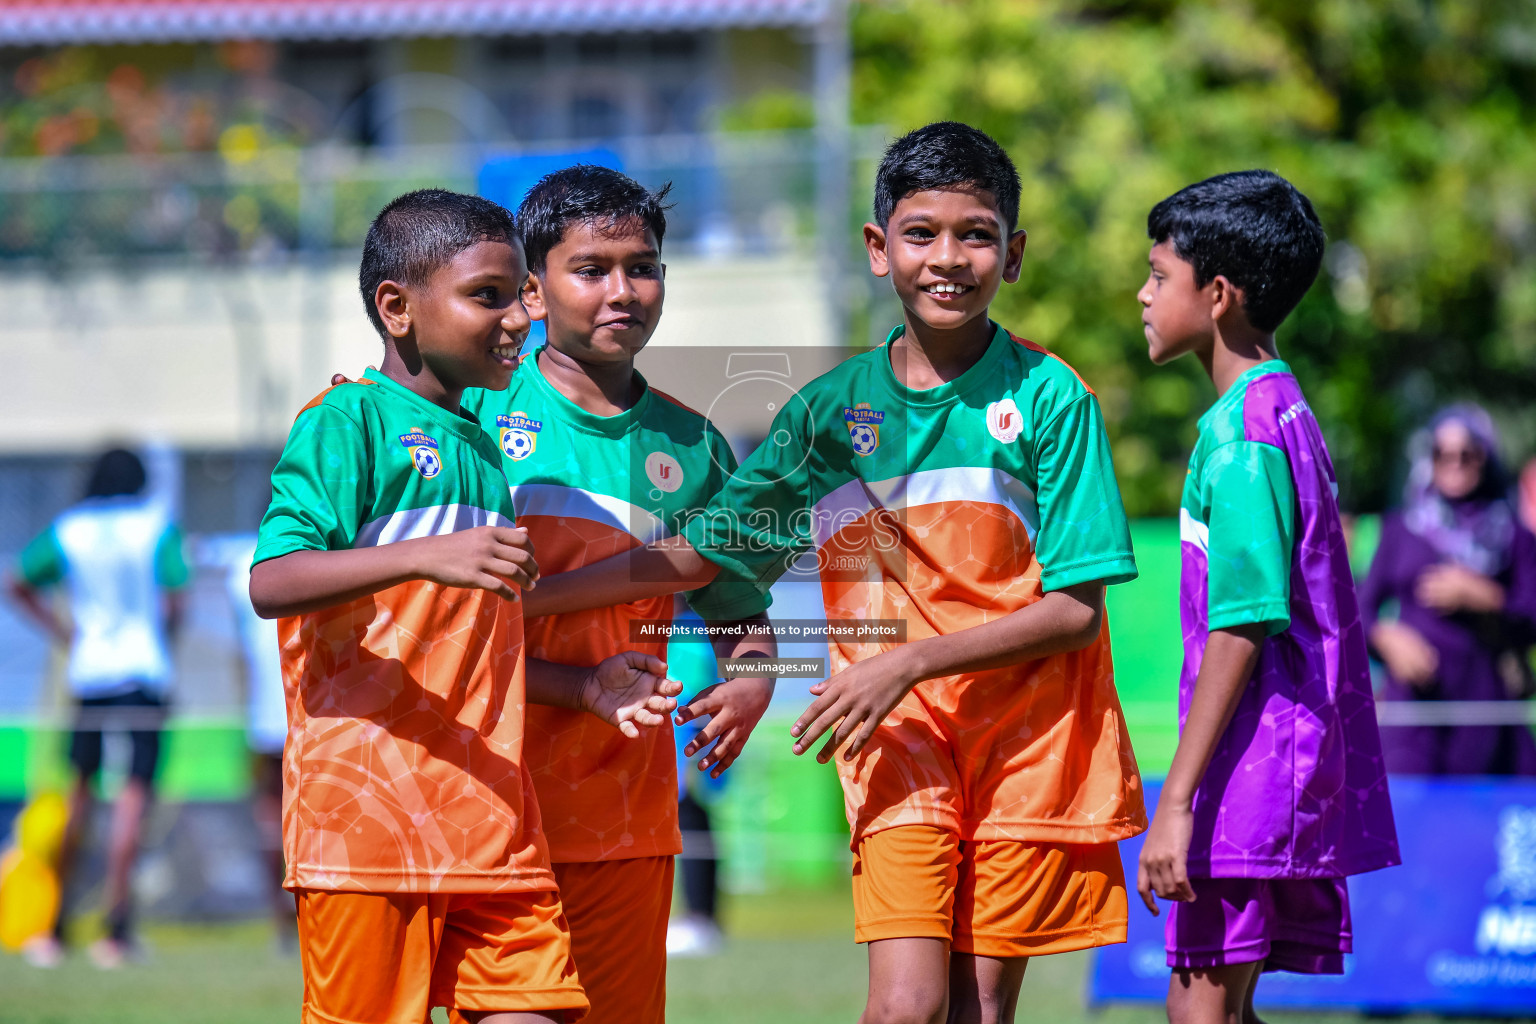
pixel 519 435
pixel 424 454
pixel 428 464
pixel 518 444
pixel 865 437
pixel 863 427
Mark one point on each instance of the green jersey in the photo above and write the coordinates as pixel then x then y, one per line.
pixel 403 767
pixel 945 509
pixel 587 487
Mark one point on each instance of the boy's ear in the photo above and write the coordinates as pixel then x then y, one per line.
pixel 874 243
pixel 533 298
pixel 390 300
pixel 1225 297
pixel 1013 259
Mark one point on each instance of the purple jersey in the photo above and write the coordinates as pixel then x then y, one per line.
pixel 1297 787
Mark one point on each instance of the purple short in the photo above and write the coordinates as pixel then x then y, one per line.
pixel 1299 925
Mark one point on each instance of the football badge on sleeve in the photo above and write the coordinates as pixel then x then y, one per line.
pixel 518 435
pixel 863 427
pixel 424 454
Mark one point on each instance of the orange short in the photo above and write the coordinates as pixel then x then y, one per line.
pixel 389 958
pixel 996 898
pixel 618 913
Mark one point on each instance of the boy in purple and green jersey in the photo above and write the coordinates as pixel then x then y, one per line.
pixel 1278 790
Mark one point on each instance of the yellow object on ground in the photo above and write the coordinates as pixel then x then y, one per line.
pixel 29 886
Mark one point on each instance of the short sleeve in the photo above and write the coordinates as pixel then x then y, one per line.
pixel 757 524
pixel 729 596
pixel 1084 535
pixel 42 562
pixel 171 570
pixel 319 488
pixel 1248 489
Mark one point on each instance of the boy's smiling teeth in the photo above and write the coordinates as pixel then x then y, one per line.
pixel 506 351
pixel 946 288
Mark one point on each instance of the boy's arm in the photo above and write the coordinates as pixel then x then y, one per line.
pixel 1230 655
pixel 41 565
pixel 487 558
pixel 1250 498
pixel 857 699
pixel 629 691
pixel 655 570
pixel 734 706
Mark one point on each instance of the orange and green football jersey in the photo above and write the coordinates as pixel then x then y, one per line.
pixel 587 487
pixel 948 508
pixel 403 770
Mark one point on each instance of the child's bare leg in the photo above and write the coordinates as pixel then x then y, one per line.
pixel 1250 1015
pixel 908 982
pixel 1211 995
pixel 984 989
pixel 122 849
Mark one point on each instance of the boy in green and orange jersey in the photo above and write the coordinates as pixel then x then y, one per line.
pixel 599 462
pixel 411 835
pixel 957 479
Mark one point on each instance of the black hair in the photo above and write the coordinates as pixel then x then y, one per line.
pixel 586 193
pixel 419 233
pixel 946 155
pixel 117 472
pixel 1251 227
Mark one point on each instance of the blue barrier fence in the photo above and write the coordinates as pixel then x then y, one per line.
pixel 1453 930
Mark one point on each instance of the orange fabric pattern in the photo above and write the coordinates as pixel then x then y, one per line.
pixel 602 796
pixel 618 914
pixel 388 959
pixel 403 770
pixel 996 898
pixel 987 755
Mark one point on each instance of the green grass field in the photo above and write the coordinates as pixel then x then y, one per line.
pixel 790 958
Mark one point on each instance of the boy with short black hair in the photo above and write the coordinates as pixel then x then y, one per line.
pixel 1277 790
pixel 411 836
pixel 958 479
pixel 599 462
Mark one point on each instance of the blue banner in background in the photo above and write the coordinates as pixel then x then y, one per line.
pixel 1452 930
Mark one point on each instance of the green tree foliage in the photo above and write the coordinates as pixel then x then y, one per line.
pixel 1411 124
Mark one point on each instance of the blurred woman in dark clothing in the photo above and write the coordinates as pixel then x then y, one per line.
pixel 1461 570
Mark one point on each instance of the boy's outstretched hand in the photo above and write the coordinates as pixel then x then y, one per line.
pixel 733 708
pixel 486 557
pixel 856 701
pixel 1164 858
pixel 630 691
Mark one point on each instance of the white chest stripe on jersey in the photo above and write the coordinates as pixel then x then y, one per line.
pixel 857 498
pixel 432 521
pixel 575 503
pixel 1193 531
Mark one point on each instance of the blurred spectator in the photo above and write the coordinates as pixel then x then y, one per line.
pixel 1528 495
pixel 120 559
pixel 1461 570
pixel 266 728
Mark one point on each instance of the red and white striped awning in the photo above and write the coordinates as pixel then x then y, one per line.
pixel 56 22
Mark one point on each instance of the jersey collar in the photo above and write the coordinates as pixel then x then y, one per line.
pixel 1239 388
pixel 458 422
pixel 979 373
pixel 570 413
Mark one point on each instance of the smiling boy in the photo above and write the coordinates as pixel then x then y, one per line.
pixel 957 479
pixel 410 833
pixel 599 462
pixel 1277 790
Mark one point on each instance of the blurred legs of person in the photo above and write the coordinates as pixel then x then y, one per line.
pixel 267 810
pixel 697 931
pixel 147 715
